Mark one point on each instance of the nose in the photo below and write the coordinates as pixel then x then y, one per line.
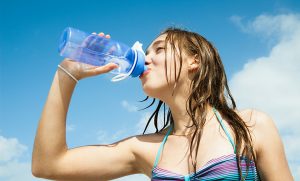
pixel 147 60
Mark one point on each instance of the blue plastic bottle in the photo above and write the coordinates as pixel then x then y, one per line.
pixel 98 51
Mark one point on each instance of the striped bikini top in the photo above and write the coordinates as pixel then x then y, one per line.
pixel 221 168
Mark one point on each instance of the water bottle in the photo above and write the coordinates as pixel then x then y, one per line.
pixel 95 50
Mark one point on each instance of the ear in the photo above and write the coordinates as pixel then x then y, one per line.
pixel 193 63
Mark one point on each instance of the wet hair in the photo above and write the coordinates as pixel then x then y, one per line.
pixel 208 86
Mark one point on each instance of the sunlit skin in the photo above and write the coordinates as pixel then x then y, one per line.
pixel 155 83
pixel 52 159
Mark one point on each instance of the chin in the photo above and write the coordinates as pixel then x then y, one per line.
pixel 154 90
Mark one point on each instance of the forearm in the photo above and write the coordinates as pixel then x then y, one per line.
pixel 50 140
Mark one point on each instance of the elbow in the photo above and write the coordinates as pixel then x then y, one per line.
pixel 41 171
pixel 38 172
pixel 42 174
pixel 35 169
pixel 44 167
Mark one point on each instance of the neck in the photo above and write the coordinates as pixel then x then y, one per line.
pixel 182 120
pixel 177 105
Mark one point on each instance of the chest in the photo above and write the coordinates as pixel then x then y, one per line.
pixel 175 153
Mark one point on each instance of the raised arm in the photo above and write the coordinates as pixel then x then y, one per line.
pixel 51 157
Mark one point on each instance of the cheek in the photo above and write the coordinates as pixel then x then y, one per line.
pixel 162 63
pixel 172 69
pixel 156 80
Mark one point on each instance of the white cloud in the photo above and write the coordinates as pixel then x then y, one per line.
pixel 11 168
pixel 280 27
pixel 272 83
pixel 10 149
pixel 129 107
pixel 16 171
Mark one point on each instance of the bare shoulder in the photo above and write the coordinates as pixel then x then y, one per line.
pixel 145 148
pixel 267 137
pixel 257 119
pixel 150 138
pixel 140 142
pixel 261 126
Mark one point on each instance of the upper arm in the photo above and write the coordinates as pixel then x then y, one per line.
pixel 271 160
pixel 97 162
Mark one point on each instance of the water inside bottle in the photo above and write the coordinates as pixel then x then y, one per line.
pixel 103 51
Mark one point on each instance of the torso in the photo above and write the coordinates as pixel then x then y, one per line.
pixel 175 155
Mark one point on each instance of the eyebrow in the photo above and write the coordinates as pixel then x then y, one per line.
pixel 154 45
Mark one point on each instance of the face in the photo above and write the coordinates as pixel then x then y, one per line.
pixel 154 81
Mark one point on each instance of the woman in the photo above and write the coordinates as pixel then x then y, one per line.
pixel 203 138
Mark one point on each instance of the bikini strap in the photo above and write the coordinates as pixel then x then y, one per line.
pixel 224 128
pixel 162 145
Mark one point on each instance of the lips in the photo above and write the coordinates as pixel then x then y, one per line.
pixel 145 73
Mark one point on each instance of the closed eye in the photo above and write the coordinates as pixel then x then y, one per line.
pixel 159 49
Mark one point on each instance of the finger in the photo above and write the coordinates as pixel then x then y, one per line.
pixel 104 69
pixel 101 34
pixel 107 36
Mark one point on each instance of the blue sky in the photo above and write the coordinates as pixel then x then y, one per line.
pixel 102 111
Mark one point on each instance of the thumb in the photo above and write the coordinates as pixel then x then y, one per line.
pixel 104 69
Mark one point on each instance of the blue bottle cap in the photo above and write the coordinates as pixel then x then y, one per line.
pixel 140 66
pixel 137 57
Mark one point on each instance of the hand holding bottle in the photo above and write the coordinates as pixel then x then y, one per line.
pixel 81 70
pixel 91 49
